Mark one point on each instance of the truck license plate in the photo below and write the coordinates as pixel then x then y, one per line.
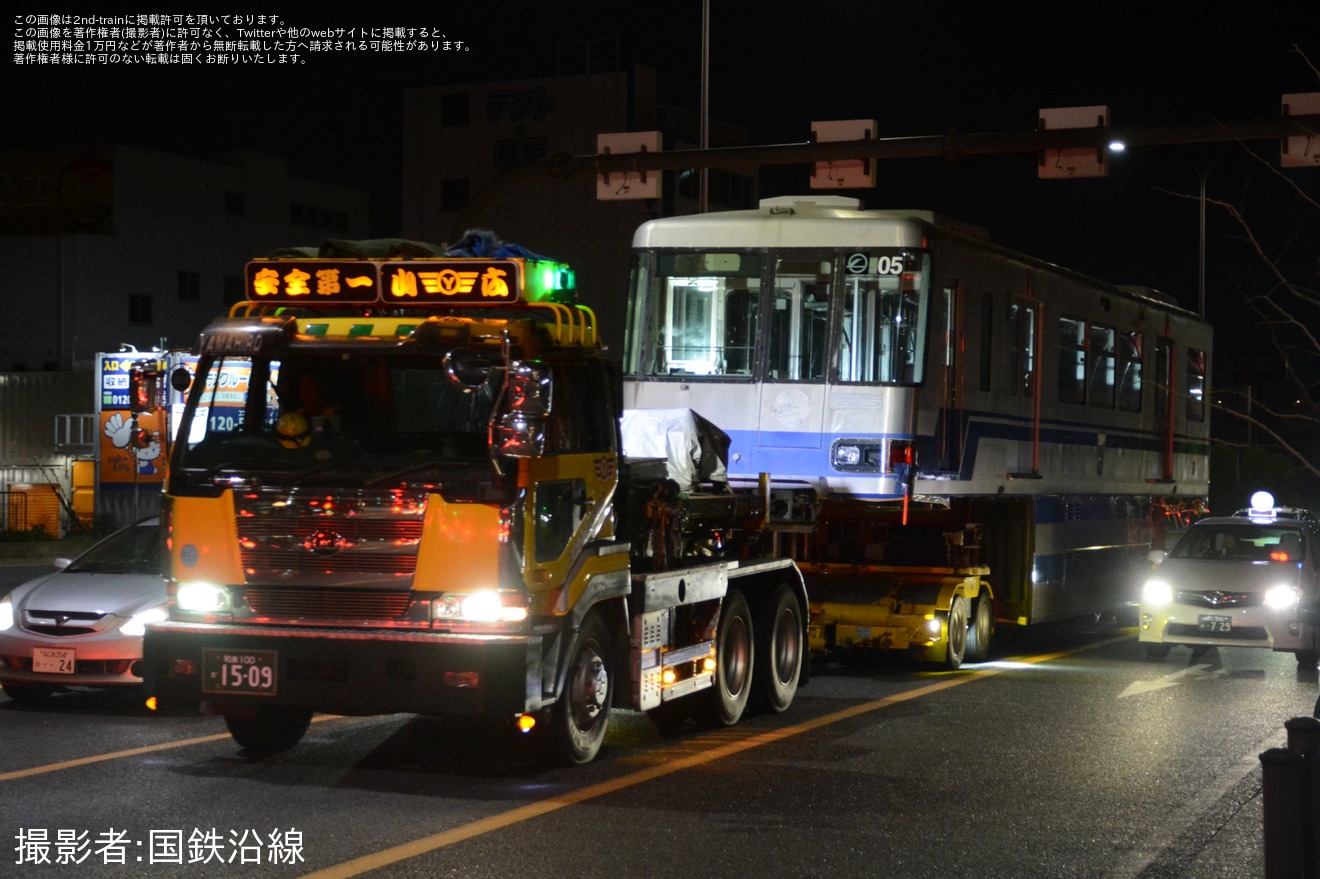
pixel 53 660
pixel 1211 623
pixel 239 671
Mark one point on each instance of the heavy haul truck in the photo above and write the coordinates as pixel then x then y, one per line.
pixel 398 486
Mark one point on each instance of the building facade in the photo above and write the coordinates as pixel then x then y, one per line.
pixel 124 248
pixel 464 146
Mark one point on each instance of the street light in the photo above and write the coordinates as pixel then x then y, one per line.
pixel 1200 279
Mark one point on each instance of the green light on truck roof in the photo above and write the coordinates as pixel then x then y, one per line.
pixel 550 281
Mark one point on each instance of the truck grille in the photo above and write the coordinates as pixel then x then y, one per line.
pixel 301 538
pixel 328 604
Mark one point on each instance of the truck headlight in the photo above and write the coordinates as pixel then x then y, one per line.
pixel 202 598
pixel 486 606
pixel 1156 593
pixel 1283 597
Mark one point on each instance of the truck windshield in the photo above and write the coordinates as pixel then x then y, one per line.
pixel 319 418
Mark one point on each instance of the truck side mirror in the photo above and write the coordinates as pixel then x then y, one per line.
pixel 467 369
pixel 519 431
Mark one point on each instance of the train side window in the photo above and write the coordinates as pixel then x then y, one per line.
pixel 1129 364
pixel 1072 360
pixel 1163 375
pixel 987 339
pixel 1102 377
pixel 1195 384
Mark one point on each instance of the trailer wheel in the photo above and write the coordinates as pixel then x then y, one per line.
pixel 581 714
pixel 271 730
pixel 779 654
pixel 957 636
pixel 735 656
pixel 983 627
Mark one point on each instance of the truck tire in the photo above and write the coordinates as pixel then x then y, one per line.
pixel 957 634
pixel 779 653
pixel 735 656
pixel 271 730
pixel 981 631
pixel 581 714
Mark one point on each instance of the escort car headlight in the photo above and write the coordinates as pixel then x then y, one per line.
pixel 1156 593
pixel 202 598
pixel 136 627
pixel 6 613
pixel 1283 597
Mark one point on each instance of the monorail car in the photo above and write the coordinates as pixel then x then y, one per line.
pixel 895 360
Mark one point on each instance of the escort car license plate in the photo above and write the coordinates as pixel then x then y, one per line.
pixel 53 660
pixel 250 672
pixel 1212 623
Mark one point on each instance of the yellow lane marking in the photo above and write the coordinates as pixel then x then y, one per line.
pixel 426 844
pixel 131 752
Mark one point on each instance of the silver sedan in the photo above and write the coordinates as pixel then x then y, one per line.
pixel 82 625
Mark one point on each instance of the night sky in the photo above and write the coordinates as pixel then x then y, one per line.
pixel 920 69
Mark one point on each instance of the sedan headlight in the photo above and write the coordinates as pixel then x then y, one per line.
pixel 1156 593
pixel 202 598
pixel 1283 597
pixel 136 627
pixel 6 613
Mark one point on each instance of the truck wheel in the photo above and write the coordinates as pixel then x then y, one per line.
pixel 779 654
pixel 957 639
pixel 1306 658
pixel 734 661
pixel 271 730
pixel 983 627
pixel 580 716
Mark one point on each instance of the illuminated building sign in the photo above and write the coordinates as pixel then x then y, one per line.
pixel 420 282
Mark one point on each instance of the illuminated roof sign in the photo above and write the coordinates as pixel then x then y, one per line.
pixel 417 282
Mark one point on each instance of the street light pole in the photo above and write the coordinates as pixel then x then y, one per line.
pixel 703 197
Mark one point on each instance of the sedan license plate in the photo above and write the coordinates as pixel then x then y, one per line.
pixel 1212 623
pixel 54 660
pixel 239 671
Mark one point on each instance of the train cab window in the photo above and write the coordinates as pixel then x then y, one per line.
pixel 882 330
pixel 702 315
pixel 1195 384
pixel 799 321
pixel 1129 372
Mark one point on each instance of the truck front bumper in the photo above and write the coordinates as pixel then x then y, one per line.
pixel 342 671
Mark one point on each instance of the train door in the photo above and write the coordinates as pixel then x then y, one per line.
pixel 796 338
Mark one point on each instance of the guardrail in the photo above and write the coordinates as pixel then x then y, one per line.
pixel 1290 787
